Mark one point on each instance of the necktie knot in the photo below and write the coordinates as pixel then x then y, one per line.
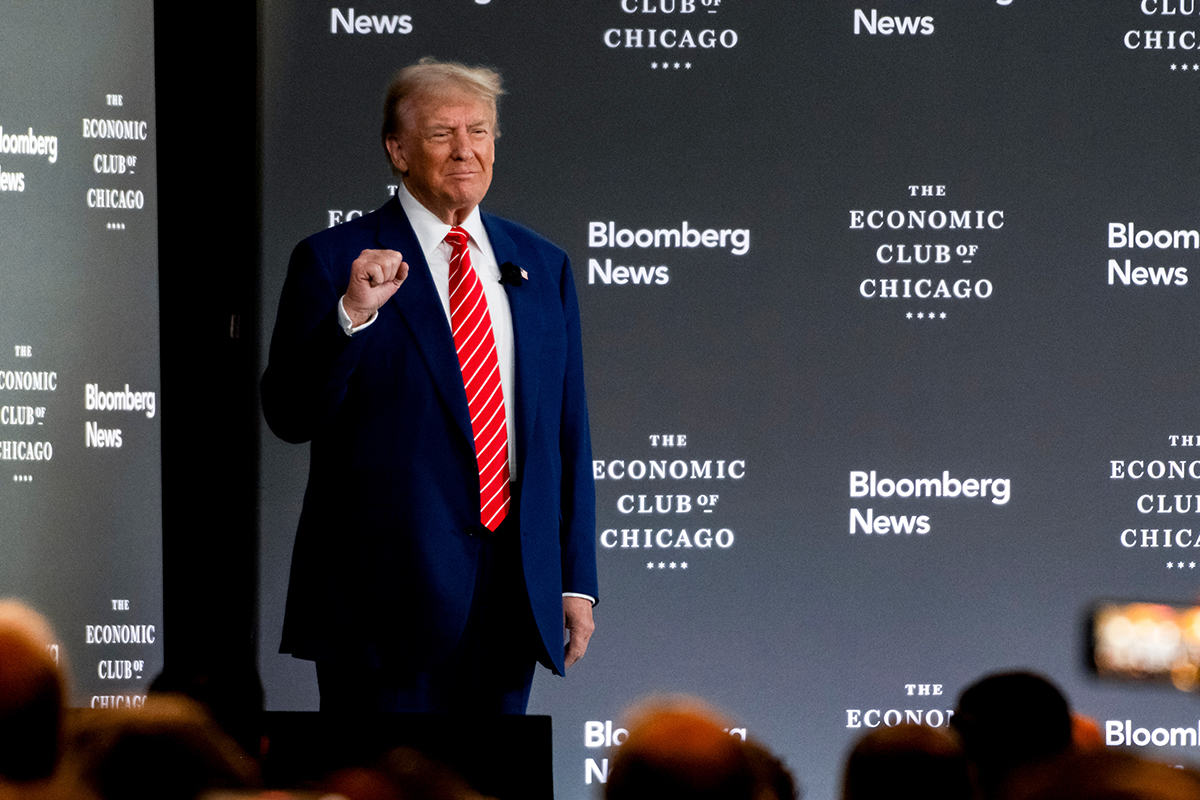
pixel 457 238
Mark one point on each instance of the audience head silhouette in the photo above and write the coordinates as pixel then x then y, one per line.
pixel 1010 720
pixel 32 695
pixel 907 760
pixel 169 749
pixel 680 749
pixel 1105 775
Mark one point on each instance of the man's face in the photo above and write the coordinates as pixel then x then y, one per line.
pixel 445 152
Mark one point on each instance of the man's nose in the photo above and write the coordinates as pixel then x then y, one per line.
pixel 461 145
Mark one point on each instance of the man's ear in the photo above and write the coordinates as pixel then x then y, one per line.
pixel 396 153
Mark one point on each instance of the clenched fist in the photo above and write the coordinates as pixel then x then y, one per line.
pixel 374 277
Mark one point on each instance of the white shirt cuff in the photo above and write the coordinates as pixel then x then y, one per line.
pixel 587 597
pixel 348 324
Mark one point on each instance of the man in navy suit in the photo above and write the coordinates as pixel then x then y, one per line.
pixel 415 586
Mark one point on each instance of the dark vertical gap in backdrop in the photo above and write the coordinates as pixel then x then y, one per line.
pixel 206 81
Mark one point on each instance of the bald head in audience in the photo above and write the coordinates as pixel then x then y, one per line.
pixel 32 695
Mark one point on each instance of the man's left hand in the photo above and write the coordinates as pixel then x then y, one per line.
pixel 577 619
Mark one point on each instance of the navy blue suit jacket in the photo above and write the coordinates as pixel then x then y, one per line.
pixel 386 551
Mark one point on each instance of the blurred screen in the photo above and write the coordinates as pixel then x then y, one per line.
pixel 1147 642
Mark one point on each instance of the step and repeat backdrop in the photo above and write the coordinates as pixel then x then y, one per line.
pixel 888 315
pixel 80 456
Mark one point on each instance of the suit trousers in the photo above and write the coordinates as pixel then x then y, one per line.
pixel 491 669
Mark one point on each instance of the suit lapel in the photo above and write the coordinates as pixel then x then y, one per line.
pixel 527 336
pixel 421 309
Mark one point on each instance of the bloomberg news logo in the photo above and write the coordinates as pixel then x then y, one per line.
pixel 601 234
pixel 1127 236
pixel 349 22
pixel 1121 733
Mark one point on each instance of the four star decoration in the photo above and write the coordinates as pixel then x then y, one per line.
pixel 684 565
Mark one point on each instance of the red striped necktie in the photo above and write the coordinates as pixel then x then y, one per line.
pixel 476 346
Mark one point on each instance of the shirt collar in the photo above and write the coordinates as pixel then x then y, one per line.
pixel 431 231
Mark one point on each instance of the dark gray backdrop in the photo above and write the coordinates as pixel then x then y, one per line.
pixel 776 359
pixel 79 296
